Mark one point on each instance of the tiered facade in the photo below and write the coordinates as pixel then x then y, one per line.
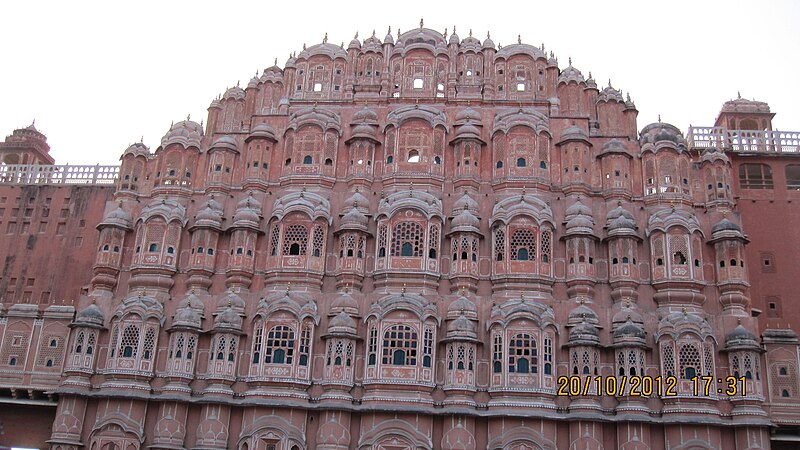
pixel 401 244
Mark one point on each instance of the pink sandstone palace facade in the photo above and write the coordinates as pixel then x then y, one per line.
pixel 415 242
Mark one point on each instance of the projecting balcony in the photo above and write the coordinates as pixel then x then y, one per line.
pixel 744 141
pixel 27 174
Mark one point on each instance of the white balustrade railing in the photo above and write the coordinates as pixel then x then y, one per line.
pixel 66 174
pixel 744 140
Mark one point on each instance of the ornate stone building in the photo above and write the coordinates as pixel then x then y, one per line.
pixel 419 242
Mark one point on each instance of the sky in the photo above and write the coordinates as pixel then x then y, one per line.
pixel 98 76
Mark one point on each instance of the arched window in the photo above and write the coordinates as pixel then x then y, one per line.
pixel 793 176
pixel 400 343
pixel 689 360
pixel 307 159
pixel 389 159
pixel 279 348
pixel 407 239
pixel 413 156
pixel 521 162
pixel 295 240
pixel 153 248
pixel 129 345
pixel 437 160
pixel 523 355
pixel 499 164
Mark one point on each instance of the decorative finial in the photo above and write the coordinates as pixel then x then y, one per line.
pixel 403 290
pixel 609 82
pixel 454 29
pixel 542 46
pixel 445 33
pixel 304 46
pixel 590 74
pixel 488 35
pixel 141 140
pixel 462 290
pixel 739 320
pixel 519 39
pixel 325 39
pixel 470 32
pixel 188 117
pixel 373 32
pixel 398 33
pixel 390 31
pixel 276 63
pixel 356 36
pixel 684 311
pixel 659 118
pixel 342 44
pixel 628 96
pixel 288 287
pixel 33 123
pixel 421 23
pixel 739 95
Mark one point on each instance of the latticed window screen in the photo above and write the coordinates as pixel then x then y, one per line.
pixel 319 240
pixel 433 240
pixel 708 359
pixel 548 355
pixel 689 361
pixel 668 359
pixel 219 352
pixel 382 232
pixel 129 345
pixel 450 357
pixel 149 343
pixel 90 343
pixel 279 348
pixel 295 240
pixel 79 342
pixel 546 237
pixel 499 243
pixel 783 379
pixel 497 354
pixel 407 239
pixel 400 346
pixel 427 348
pixel 176 350
pixel 276 233
pixel 361 247
pixel 373 345
pixel 523 356
pixel 523 245
pixel 679 249
pixel 305 344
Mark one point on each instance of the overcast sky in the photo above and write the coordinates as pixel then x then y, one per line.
pixel 98 76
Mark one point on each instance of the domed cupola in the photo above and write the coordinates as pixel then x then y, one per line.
pixel 454 39
pixel 609 94
pixel 234 93
pixel 366 115
pixel 342 325
pixel 462 329
pixel 712 155
pixel 228 321
pixel 725 228
pixel 345 303
pixel 91 316
pixel 354 219
pixel 388 39
pixel 462 306
pixel 582 314
pixel 740 338
pixel 248 213
pixel 488 43
pixel 584 333
pixel 571 74
pixel 629 333
pixel 573 133
pixel 137 149
pixel 359 201
pixel 619 222
pixel 117 217
pixel 186 133
pixel 187 317
pixel 262 131
pixel 354 44
pixel 233 301
pixel 465 221
pixel 208 217
pixel 291 62
pixel 579 219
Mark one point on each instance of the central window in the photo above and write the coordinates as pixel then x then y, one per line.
pixel 418 83
pixel 400 346
pixel 522 354
pixel 407 239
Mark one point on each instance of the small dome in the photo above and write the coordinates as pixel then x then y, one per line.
pixel 117 217
pixel 570 74
pixel 365 114
pixel 629 329
pixel 580 223
pixel 725 225
pixel 454 39
pixel 468 130
pixel 253 83
pixel 388 39
pixel 345 303
pixel 342 323
pixel 581 314
pixel 262 131
pixel 573 133
pixel 185 132
pixel 711 155
pixel 187 317
pixel 610 94
pixel 465 221
pixel 468 115
pixel 248 212
pixel 462 306
pixel 228 320
pixel 465 202
pixel 208 217
pixel 627 314
pixel 578 208
pixel 235 93
pixel 91 316
pixel 462 327
pixel 364 131
pixel 584 333
pixel 621 223
pixel 488 43
pixel 137 149
pixel 744 105
pixel 740 333
pixel 619 211
pixel 192 301
pixel 354 219
pixel 232 300
pixel 359 201
pixel 354 44
pixel 225 142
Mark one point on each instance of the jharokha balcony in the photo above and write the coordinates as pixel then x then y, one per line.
pixel 744 141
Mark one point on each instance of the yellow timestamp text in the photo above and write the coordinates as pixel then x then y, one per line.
pixel 646 386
